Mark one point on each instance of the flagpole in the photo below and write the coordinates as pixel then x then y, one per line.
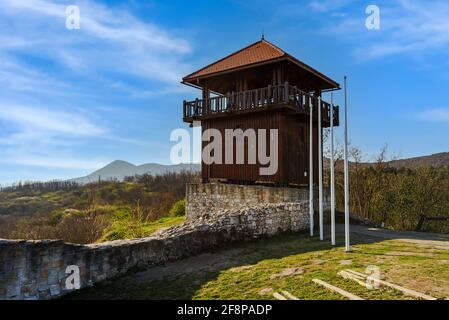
pixel 347 248
pixel 332 172
pixel 311 168
pixel 320 170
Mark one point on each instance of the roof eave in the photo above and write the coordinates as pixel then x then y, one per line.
pixel 190 78
pixel 333 85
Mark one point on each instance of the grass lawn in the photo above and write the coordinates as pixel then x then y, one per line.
pixel 128 228
pixel 253 270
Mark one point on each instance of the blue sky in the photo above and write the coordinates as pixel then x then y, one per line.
pixel 71 101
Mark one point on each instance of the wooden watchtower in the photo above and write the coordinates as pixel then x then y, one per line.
pixel 262 87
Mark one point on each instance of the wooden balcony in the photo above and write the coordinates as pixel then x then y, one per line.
pixel 262 99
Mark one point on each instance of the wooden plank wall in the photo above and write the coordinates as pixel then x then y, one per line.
pixel 293 149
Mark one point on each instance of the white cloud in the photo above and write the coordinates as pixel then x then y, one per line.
pixel 109 40
pixel 15 77
pixel 41 119
pixel 105 23
pixel 328 5
pixel 407 27
pixel 42 137
pixel 69 162
pixel 435 115
pixel 50 75
pixel 415 27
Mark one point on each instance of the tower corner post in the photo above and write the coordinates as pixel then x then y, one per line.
pixel 320 171
pixel 311 202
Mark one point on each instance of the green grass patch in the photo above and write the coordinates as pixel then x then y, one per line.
pixel 127 227
pixel 240 271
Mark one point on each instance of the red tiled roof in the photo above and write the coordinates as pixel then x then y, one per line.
pixel 257 52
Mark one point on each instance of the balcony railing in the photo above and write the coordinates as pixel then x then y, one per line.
pixel 252 100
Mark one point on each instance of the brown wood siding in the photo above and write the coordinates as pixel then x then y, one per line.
pixel 297 150
pixel 293 149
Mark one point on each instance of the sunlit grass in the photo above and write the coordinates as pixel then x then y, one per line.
pixel 247 268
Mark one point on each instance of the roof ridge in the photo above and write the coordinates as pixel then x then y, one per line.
pixel 274 46
pixel 282 52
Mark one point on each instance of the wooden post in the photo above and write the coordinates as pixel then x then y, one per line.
pixel 269 94
pixel 286 91
pixel 295 93
pixel 206 100
pixel 237 100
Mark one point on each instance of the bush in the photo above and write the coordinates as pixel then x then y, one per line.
pixel 178 208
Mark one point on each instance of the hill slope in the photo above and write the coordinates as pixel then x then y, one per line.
pixel 120 169
pixel 434 160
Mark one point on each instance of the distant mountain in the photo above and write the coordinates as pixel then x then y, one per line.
pixel 120 169
pixel 434 160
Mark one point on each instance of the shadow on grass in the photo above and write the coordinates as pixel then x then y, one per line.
pixel 182 279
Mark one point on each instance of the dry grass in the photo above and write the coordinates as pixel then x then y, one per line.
pixel 244 271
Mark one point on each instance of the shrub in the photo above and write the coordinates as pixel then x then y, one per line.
pixel 178 208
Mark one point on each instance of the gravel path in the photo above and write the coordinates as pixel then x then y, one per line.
pixel 440 241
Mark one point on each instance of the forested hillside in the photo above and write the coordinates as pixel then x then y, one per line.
pixel 402 198
pixel 409 194
pixel 99 211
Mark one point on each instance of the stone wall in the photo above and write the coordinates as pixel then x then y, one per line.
pixel 216 214
pixel 203 199
pixel 37 269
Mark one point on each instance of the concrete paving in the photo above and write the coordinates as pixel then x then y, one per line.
pixel 421 238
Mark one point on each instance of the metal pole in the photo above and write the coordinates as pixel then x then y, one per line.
pixel 311 168
pixel 346 175
pixel 320 171
pixel 332 169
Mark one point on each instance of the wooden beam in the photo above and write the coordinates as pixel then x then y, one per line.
pixel 279 296
pixel 404 290
pixel 344 293
pixel 284 296
pixel 346 275
pixel 289 295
